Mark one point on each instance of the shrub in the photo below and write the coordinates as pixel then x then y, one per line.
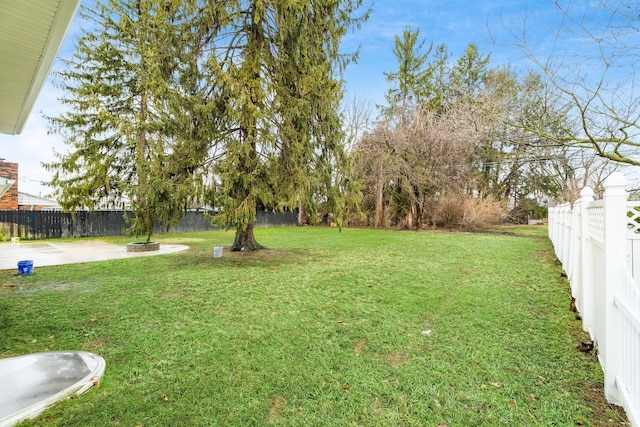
pixel 448 210
pixel 480 213
pixel 465 212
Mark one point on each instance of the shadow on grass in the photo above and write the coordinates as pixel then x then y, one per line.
pixel 268 258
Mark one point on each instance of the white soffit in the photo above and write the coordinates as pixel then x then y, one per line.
pixel 31 33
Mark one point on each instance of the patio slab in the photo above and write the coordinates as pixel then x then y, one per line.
pixel 51 253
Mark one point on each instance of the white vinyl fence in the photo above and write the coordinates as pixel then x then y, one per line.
pixel 598 243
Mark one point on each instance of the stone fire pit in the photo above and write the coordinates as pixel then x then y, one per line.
pixel 143 246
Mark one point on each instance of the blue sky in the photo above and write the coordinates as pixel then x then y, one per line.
pixel 456 23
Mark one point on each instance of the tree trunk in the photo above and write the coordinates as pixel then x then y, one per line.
pixel 301 220
pixel 379 220
pixel 419 213
pixel 245 241
pixel 409 219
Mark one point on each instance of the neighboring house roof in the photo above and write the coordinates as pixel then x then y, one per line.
pixel 25 199
pixel 31 33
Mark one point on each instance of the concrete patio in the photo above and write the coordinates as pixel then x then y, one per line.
pixel 48 253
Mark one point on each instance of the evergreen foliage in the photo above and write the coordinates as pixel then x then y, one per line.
pixel 121 89
pixel 234 104
pixel 420 78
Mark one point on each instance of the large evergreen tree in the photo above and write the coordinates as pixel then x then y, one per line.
pixel 280 77
pixel 124 88
pixel 233 103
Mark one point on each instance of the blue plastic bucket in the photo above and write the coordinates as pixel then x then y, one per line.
pixel 25 267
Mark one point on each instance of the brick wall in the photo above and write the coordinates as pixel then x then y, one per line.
pixel 10 199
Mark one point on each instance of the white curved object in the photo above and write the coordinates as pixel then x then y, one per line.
pixel 33 382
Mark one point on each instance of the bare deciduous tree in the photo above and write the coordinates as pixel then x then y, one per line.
pixel 592 65
pixel 588 170
pixel 417 163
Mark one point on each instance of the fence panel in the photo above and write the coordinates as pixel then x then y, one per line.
pixel 627 378
pixel 47 224
pixel 598 243
pixel 593 288
pixel 633 257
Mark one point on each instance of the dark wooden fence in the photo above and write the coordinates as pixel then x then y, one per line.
pixel 46 225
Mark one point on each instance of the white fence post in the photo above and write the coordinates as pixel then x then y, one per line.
pixel 615 233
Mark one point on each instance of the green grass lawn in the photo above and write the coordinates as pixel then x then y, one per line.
pixel 326 328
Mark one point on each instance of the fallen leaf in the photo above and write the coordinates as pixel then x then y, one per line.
pixel 496 384
pixel 512 403
pixel 533 397
pixel 8 285
pixel 96 384
pixel 51 337
pixel 165 397
pixel 33 341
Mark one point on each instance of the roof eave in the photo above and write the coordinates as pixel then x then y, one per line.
pixel 59 28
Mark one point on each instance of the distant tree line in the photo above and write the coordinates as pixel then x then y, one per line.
pixel 238 106
pixel 448 149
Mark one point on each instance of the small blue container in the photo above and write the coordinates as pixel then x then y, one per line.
pixel 25 267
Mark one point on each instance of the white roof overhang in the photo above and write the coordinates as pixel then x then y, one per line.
pixel 31 33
